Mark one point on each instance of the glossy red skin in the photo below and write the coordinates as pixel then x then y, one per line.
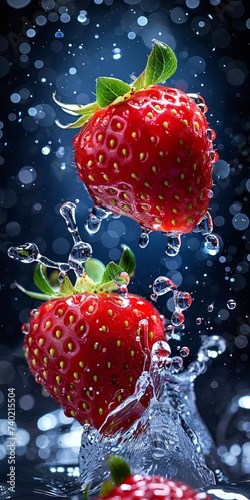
pixel 101 365
pixel 173 196
pixel 154 488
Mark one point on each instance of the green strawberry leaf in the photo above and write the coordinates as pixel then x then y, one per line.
pixel 127 260
pixel 109 89
pixel 41 282
pixel 119 469
pixel 161 65
pixel 110 272
pixel 94 269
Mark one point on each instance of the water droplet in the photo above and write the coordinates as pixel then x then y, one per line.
pixel 92 224
pixel 169 329
pixel 173 244
pixel 159 354
pixel 207 193
pixel 26 328
pixel 182 300
pixel 38 379
pixel 122 279
pixel 231 304
pixel 177 318
pixel 206 224
pixel 163 285
pixel 26 253
pixel 184 351
pixel 211 135
pixel 210 308
pixel 154 297
pixel 198 99
pixel 100 212
pixel 144 238
pixel 212 244
pixel 214 156
pixel 198 321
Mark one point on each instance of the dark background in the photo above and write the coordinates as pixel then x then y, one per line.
pixel 65 53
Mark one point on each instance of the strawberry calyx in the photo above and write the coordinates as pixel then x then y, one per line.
pixel 96 278
pixel 161 65
pixel 119 471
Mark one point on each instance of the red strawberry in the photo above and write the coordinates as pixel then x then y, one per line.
pixel 88 349
pixel 148 154
pixel 136 486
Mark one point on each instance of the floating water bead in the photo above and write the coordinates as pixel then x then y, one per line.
pixel 182 300
pixel 206 224
pixel 231 304
pixel 173 244
pixel 211 244
pixel 177 318
pixel 144 238
pixel 184 351
pixel 122 279
pixel 163 285
pixel 92 224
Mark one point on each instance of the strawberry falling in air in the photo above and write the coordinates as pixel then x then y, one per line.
pixel 146 151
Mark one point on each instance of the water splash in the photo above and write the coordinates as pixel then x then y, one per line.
pixel 170 438
pixel 81 251
pixel 181 300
